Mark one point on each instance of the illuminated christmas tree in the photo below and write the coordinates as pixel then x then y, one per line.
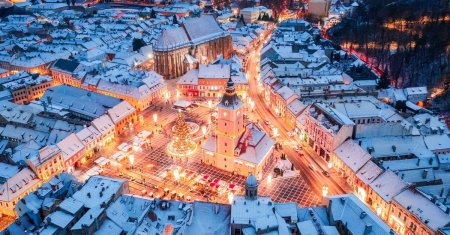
pixel 181 144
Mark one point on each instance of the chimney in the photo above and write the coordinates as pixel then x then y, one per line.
pixel 368 229
pixel 424 174
pixel 362 215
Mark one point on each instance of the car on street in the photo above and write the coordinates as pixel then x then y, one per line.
pixel 325 173
pixel 313 168
pixel 266 121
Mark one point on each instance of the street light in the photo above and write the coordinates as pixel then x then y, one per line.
pixel 131 160
pixel 324 191
pixel 176 175
pixel 204 130
pixel 269 179
pixel 155 118
pixel 330 165
pixel 230 198
pixel 210 104
pixel 252 104
pixel 275 131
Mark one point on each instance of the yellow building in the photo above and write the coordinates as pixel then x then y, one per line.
pixel 49 162
pixel 14 187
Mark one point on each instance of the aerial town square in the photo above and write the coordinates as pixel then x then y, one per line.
pixel 224 117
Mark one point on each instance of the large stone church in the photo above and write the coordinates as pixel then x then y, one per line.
pixel 198 40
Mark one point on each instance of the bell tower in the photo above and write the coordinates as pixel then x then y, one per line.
pixel 230 123
pixel 251 187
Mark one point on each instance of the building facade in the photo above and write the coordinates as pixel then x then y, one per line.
pixel 49 163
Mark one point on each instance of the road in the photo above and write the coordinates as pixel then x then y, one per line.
pixel 315 178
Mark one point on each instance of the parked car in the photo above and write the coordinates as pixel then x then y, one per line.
pixel 325 173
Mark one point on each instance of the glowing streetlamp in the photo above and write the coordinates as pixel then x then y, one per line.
pixel 155 118
pixel 210 104
pixel 131 160
pixel 176 175
pixel 204 130
pixel 178 95
pixel 330 165
pixel 252 104
pixel 324 191
pixel 275 131
pixel 230 198
pixel 166 95
pixel 269 179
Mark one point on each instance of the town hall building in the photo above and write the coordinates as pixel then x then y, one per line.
pixel 238 148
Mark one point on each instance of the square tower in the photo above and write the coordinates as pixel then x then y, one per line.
pixel 230 123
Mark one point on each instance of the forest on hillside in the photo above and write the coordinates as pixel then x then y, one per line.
pixel 410 39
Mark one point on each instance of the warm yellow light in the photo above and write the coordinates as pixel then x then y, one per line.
pixel 176 175
pixel 275 131
pixel 210 104
pixel 324 191
pixel 131 159
pixel 155 117
pixel 204 130
pixel 230 197
pixel 269 179
pixel 379 210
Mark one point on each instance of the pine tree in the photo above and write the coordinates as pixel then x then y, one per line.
pixel 138 43
pixel 175 20
pixel 383 82
pixel 242 20
pixel 153 14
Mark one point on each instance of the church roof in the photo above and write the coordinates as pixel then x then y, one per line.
pixel 199 28
pixel 251 181
pixel 172 38
pixel 193 31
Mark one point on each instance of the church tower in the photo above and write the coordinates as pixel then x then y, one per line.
pixel 230 123
pixel 251 187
